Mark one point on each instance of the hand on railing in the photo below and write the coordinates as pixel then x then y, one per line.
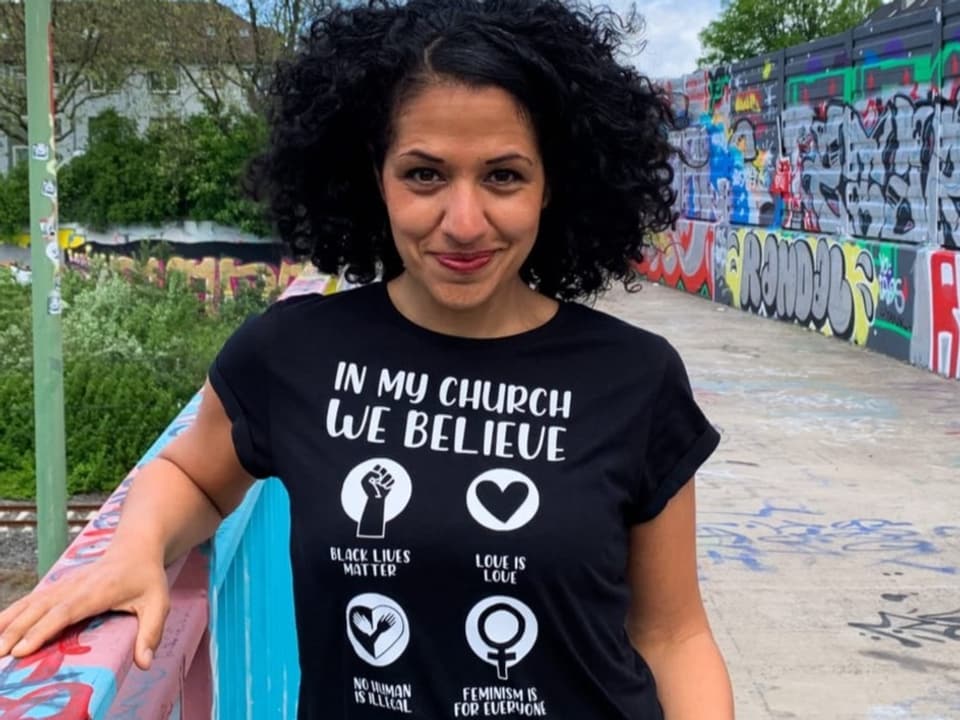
pixel 121 580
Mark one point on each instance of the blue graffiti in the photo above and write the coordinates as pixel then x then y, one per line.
pixel 754 540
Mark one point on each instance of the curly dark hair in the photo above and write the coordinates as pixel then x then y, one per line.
pixel 601 128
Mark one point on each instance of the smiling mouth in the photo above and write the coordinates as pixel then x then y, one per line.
pixel 464 262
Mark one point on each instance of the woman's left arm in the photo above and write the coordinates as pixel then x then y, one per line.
pixel 667 622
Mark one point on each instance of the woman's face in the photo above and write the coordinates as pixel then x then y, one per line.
pixel 464 187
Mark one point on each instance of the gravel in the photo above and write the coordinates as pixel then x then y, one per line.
pixel 18 546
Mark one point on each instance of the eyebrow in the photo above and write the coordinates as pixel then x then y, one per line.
pixel 492 161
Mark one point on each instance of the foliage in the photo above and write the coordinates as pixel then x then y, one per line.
pixel 181 169
pixel 747 28
pixel 14 202
pixel 202 160
pixel 135 351
pixel 116 181
pixel 222 51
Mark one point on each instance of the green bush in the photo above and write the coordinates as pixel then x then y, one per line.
pixel 134 354
pixel 182 169
pixel 203 159
pixel 115 182
pixel 14 202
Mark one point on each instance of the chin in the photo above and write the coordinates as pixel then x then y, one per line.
pixel 460 296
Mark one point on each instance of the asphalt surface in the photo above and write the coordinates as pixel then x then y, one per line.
pixel 828 519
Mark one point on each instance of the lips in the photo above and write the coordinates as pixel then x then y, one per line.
pixel 464 262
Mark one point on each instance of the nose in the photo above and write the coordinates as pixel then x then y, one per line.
pixel 464 219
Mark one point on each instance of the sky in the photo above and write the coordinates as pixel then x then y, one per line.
pixel 672 28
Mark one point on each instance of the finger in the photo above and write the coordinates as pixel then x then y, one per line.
pixel 51 623
pixel 152 615
pixel 7 616
pixel 30 610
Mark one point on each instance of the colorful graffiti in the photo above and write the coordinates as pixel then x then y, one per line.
pixel 939 285
pixel 893 325
pixel 821 185
pixel 867 171
pixel 681 258
pixel 215 270
pixel 815 281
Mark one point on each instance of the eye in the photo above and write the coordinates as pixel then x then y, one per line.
pixel 504 176
pixel 423 175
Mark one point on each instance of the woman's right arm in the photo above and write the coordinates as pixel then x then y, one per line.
pixel 175 502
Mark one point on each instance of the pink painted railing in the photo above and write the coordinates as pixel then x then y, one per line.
pixel 88 672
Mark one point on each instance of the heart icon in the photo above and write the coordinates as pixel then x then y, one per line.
pixel 376 629
pixel 503 500
pixel 502 503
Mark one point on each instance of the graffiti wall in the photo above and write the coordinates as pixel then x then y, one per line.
pixel 216 269
pixel 820 185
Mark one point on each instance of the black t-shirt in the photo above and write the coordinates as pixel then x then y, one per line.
pixel 460 508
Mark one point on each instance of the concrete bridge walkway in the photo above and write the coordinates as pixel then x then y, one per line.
pixel 829 519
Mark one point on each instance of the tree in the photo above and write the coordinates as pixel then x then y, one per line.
pixel 747 28
pixel 96 49
pixel 223 50
pixel 232 43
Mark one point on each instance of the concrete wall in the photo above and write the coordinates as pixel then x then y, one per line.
pixel 821 185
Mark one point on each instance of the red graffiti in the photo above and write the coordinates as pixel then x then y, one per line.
pixel 71 700
pixel 682 258
pixel 89 547
pixel 945 308
pixel 47 661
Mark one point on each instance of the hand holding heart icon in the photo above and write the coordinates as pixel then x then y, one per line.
pixel 377 628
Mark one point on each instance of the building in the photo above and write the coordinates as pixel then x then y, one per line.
pixel 150 60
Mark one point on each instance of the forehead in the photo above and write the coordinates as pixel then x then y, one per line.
pixel 460 120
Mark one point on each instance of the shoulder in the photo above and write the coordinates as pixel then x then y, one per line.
pixel 606 332
pixel 312 308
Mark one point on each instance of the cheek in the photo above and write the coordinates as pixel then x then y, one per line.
pixel 411 216
pixel 518 221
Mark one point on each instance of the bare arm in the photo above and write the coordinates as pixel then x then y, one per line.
pixel 179 498
pixel 667 622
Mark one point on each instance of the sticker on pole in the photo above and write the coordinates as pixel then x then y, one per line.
pixel 54 302
pixel 41 151
pixel 53 252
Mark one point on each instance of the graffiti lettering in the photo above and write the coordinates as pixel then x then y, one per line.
pixel 945 305
pixel 865 172
pixel 747 102
pixel 814 281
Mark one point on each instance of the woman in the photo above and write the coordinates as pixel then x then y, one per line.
pixel 491 486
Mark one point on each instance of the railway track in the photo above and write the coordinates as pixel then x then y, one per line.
pixel 22 516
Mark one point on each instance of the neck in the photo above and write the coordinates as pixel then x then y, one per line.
pixel 512 310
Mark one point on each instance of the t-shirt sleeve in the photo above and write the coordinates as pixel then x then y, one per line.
pixel 680 440
pixel 241 379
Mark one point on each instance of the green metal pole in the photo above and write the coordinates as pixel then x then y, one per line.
pixel 45 267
